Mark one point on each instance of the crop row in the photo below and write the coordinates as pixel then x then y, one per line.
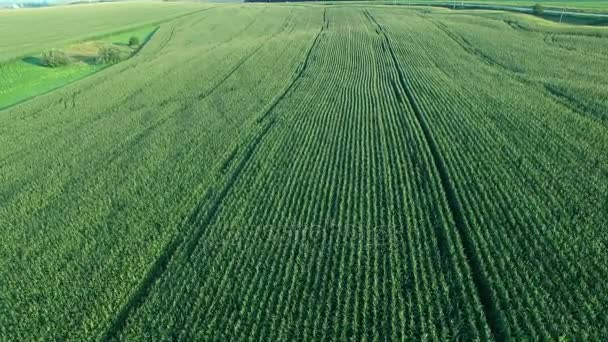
pixel 335 228
pixel 529 180
pixel 91 195
pixel 313 173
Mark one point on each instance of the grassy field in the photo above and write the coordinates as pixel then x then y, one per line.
pixel 315 172
pixel 21 79
pixel 44 28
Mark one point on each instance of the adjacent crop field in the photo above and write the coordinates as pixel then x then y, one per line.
pixel 306 172
pixel 27 31
pixel 600 6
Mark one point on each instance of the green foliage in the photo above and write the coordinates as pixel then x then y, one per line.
pixel 111 54
pixel 538 9
pixel 134 41
pixel 55 58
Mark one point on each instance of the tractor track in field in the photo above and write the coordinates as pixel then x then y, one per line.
pixel 165 42
pixel 186 239
pixel 493 315
pixel 230 72
pixel 575 105
pixel 552 39
pixel 556 95
pixel 199 219
pixel 470 48
pixel 243 60
pixel 300 71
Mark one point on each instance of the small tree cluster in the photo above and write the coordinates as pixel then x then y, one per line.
pixel 133 42
pixel 538 9
pixel 111 54
pixel 55 58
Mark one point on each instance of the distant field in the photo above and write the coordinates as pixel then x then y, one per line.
pixel 312 172
pixel 27 31
pixel 573 4
pixel 23 78
pixel 599 5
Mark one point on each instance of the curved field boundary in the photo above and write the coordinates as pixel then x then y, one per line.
pixel 150 36
pixel 112 33
pixel 547 90
pixel 468 47
pixel 493 315
pixel 148 39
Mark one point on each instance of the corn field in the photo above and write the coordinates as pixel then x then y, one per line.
pixel 316 172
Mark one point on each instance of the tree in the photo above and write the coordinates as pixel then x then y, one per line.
pixel 110 54
pixel 538 9
pixel 55 58
pixel 133 41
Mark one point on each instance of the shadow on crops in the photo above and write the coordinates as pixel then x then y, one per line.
pixel 87 59
pixel 574 19
pixel 33 61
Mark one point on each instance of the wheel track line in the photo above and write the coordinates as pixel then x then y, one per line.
pixel 273 219
pixel 154 54
pixel 161 263
pixel 242 61
pixel 268 301
pixel 185 240
pixel 249 291
pixel 470 48
pixel 209 92
pixel 519 217
pixel 299 73
pixel 164 43
pixel 416 249
pixel 173 20
pixel 546 89
pixel 493 315
pixel 313 213
pixel 575 105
